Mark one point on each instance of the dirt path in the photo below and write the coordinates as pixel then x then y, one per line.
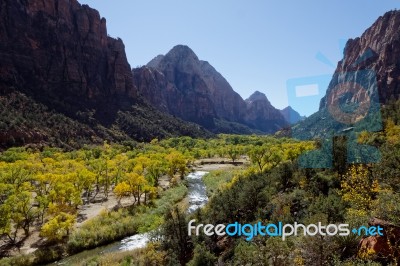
pixel 211 164
pixel 91 210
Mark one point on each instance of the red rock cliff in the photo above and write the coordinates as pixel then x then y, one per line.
pixel 378 50
pixel 58 51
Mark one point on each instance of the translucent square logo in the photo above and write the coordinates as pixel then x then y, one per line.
pixel 350 106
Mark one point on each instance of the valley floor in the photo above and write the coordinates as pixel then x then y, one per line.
pixel 92 210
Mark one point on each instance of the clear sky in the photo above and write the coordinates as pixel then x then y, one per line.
pixel 255 45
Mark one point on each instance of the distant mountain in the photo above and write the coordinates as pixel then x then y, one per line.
pixel 184 86
pixel 291 115
pixel 58 61
pixel 262 115
pixel 369 73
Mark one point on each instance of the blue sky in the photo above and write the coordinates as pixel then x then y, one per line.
pixel 255 45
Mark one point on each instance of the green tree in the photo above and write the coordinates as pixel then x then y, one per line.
pixel 175 238
pixel 266 157
pixel 233 152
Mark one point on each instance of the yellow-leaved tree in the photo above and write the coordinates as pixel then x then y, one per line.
pixel 121 191
pixel 58 227
pixel 359 189
pixel 176 163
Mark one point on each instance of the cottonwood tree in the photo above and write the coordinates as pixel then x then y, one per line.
pixel 58 227
pixel 266 157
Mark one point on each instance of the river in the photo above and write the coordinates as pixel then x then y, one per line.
pixel 197 198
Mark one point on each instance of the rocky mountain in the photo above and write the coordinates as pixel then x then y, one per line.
pixel 184 86
pixel 262 115
pixel 377 51
pixel 57 54
pixel 291 115
pixel 366 78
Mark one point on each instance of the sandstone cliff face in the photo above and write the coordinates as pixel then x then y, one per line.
pixel 193 90
pixel 367 77
pixel 377 50
pixel 58 53
pixel 58 50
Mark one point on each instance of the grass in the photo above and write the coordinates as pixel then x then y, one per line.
pixel 150 255
pixel 217 180
pixel 146 219
pixel 109 226
pixel 114 225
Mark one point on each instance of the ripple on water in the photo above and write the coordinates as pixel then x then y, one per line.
pixel 134 242
pixel 197 195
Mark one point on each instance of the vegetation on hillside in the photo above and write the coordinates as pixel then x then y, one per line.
pixel 24 121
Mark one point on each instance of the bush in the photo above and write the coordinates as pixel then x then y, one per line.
pixel 113 225
pixel 107 227
pixel 202 257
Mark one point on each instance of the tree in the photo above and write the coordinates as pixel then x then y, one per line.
pixel 5 222
pixel 141 163
pixel 176 163
pixel 100 168
pixel 359 189
pixel 266 157
pixel 122 190
pixel 58 227
pixel 202 257
pixel 150 193
pixel 119 166
pixel 86 180
pixel 17 175
pixel 175 238
pixel 233 152
pixel 136 185
pixel 22 211
pixel 157 166
pixel 62 196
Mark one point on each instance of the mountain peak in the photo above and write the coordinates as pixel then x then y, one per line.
pixel 288 108
pixel 88 77
pixel 155 61
pixel 291 115
pixel 257 96
pixel 182 51
pixel 195 91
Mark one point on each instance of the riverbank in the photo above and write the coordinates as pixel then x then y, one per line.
pixel 93 212
pixel 218 176
pixel 196 197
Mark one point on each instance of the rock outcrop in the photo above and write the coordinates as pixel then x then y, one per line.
pixel 366 78
pixel 376 51
pixel 383 248
pixel 184 86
